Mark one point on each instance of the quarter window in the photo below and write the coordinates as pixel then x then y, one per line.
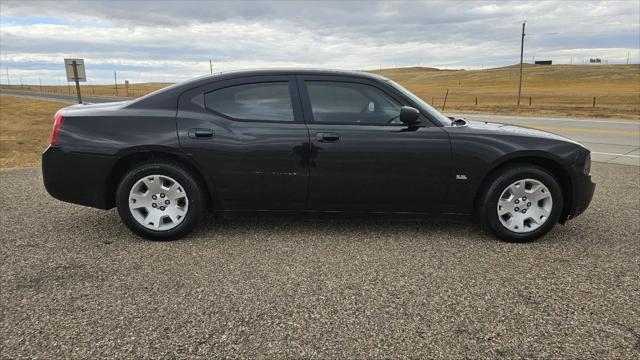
pixel 260 101
pixel 351 103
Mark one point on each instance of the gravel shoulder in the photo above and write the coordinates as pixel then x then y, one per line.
pixel 75 283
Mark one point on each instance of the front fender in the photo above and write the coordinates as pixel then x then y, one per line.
pixel 476 155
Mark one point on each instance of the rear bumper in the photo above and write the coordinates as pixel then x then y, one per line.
pixel 583 193
pixel 77 178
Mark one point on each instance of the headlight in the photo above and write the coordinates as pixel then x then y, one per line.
pixel 587 165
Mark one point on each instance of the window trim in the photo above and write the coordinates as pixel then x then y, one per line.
pixel 292 99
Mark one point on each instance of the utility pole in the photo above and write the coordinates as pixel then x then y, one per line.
pixel 115 80
pixel 40 82
pixel 211 66
pixel 627 57
pixel 8 82
pixel 521 53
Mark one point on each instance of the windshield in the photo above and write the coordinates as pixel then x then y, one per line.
pixel 435 114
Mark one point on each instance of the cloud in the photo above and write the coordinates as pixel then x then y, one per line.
pixel 168 41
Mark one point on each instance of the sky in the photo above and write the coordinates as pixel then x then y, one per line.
pixel 167 41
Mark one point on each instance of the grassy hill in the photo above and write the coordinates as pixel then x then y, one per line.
pixel 559 90
pixel 554 90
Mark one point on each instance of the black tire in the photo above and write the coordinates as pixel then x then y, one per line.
pixel 487 207
pixel 193 189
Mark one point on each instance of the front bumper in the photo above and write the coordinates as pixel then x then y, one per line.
pixel 582 195
pixel 77 177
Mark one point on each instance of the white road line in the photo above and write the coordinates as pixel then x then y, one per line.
pixel 623 155
pixel 520 118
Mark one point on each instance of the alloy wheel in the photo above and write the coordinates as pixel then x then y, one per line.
pixel 524 206
pixel 158 202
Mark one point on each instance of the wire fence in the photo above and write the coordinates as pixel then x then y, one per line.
pixel 444 100
pixel 484 100
pixel 96 90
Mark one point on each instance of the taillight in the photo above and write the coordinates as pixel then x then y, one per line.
pixel 57 124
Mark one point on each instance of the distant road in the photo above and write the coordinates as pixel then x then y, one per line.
pixel 610 140
pixel 68 98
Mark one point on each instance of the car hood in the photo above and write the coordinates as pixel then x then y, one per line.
pixel 515 130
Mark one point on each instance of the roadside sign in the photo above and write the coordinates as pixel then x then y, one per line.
pixel 75 73
pixel 68 65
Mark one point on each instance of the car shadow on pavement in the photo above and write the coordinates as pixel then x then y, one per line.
pixel 107 228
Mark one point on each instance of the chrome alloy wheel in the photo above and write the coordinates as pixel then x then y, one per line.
pixel 524 205
pixel 158 202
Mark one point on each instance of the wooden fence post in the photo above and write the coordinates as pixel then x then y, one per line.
pixel 594 101
pixel 529 100
pixel 476 101
pixel 445 100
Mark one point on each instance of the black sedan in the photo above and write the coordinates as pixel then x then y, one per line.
pixel 308 140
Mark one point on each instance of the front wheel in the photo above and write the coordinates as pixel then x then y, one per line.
pixel 521 203
pixel 160 200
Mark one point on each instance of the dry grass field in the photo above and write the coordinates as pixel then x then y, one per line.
pixel 25 127
pixel 563 90
pixel 558 90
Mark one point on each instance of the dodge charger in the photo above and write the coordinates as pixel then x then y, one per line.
pixel 308 141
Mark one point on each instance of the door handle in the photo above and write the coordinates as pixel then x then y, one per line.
pixel 201 133
pixel 327 137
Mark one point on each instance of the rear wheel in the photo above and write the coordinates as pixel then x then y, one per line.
pixel 521 203
pixel 160 200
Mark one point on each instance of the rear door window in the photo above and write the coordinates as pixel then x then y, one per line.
pixel 269 101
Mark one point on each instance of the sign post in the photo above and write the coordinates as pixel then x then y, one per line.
pixel 76 73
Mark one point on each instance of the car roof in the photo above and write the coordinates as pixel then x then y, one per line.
pixel 293 71
pixel 172 91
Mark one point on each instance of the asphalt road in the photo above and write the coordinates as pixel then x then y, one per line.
pixel 67 98
pixel 76 284
pixel 610 140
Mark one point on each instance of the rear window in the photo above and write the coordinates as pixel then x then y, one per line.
pixel 260 101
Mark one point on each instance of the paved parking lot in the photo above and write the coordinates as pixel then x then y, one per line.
pixel 75 283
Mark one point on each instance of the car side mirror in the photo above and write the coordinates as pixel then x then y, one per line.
pixel 409 116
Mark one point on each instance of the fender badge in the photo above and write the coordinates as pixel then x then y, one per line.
pixel 461 177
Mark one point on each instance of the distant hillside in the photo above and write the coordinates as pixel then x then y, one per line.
pixel 556 89
pixel 578 79
pixel 552 90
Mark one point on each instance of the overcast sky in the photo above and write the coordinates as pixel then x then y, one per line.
pixel 174 40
